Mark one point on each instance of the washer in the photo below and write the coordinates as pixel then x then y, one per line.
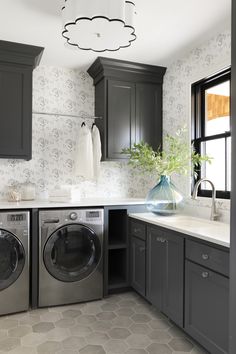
pixel 70 256
pixel 14 262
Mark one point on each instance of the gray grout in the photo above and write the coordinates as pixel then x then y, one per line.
pixel 119 324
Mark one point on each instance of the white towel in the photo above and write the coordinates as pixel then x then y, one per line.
pixel 84 154
pixel 97 151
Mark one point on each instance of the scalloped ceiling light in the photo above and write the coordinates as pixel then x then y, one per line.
pixel 98 25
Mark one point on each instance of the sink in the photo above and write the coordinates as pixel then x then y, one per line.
pixel 187 219
pixel 189 222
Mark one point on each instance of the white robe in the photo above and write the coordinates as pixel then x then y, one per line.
pixel 84 154
pixel 97 151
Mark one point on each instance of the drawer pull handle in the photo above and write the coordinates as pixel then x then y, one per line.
pixel 205 275
pixel 205 257
pixel 160 239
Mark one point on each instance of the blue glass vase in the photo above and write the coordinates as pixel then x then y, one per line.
pixel 164 199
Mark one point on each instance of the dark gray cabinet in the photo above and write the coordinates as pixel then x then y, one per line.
pixel 207 296
pixel 138 265
pixel 117 247
pixel 128 97
pixel 138 257
pixel 121 112
pixel 206 307
pixel 187 279
pixel 165 270
pixel 16 65
pixel 148 114
pixel 155 265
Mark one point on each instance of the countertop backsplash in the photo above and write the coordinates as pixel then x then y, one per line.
pixel 201 208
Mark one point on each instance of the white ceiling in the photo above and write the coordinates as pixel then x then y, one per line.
pixel 164 29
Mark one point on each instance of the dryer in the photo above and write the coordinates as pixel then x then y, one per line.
pixel 70 256
pixel 14 262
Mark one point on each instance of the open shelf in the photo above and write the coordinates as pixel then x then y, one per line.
pixel 117 227
pixel 117 245
pixel 117 276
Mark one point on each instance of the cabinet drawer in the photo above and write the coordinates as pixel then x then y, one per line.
pixel 138 230
pixel 208 256
pixel 207 307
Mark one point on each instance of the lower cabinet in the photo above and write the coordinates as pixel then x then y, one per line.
pixel 185 278
pixel 138 265
pixel 165 270
pixel 206 307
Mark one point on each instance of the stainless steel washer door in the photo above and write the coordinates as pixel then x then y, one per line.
pixel 12 258
pixel 72 252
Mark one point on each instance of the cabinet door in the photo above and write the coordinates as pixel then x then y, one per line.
pixel 165 273
pixel 120 118
pixel 155 267
pixel 207 307
pixel 149 114
pixel 173 285
pixel 138 265
pixel 16 111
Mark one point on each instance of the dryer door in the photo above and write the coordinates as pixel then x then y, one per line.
pixel 72 252
pixel 12 258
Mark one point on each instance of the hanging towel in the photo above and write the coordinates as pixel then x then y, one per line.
pixel 97 151
pixel 84 154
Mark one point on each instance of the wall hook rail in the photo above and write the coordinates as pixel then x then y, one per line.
pixel 65 115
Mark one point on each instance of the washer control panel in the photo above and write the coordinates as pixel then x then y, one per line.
pixel 73 216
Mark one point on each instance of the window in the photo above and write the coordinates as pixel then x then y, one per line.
pixel 211 131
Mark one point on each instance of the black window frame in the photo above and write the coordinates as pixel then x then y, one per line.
pixel 198 125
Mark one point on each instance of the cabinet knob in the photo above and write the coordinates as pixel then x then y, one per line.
pixel 205 257
pixel 205 275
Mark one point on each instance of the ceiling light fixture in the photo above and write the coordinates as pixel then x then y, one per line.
pixel 99 25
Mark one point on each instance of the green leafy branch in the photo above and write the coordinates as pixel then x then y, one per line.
pixel 177 157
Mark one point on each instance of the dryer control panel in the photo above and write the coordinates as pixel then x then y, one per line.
pixel 16 217
pixel 63 216
pixel 16 220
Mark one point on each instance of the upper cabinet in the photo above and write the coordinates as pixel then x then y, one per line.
pixel 17 62
pixel 128 97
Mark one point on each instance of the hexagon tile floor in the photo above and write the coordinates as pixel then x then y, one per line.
pixel 116 325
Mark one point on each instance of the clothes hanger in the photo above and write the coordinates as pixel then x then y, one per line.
pixel 93 125
pixel 83 124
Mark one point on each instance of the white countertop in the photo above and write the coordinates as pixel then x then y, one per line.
pixel 211 231
pixel 87 202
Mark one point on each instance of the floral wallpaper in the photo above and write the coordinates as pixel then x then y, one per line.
pixel 71 92
pixel 211 56
pixel 60 90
